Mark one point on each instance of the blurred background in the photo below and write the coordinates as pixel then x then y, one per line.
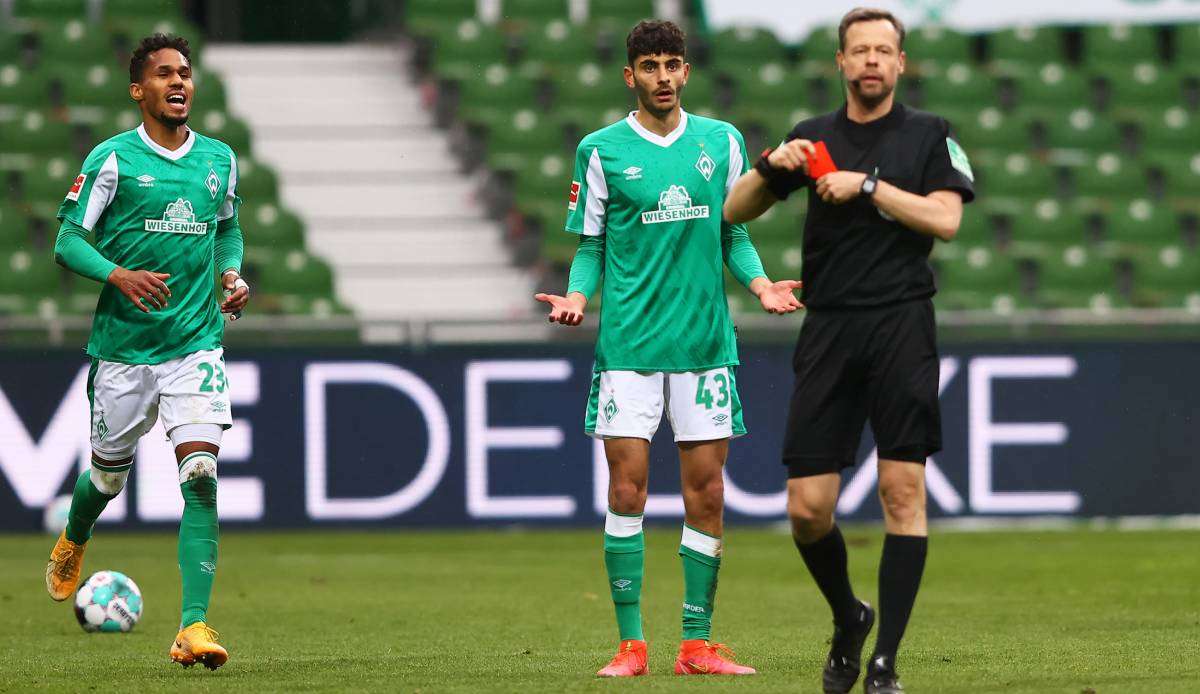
pixel 404 170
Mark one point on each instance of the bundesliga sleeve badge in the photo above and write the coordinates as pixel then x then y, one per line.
pixel 73 193
pixel 573 198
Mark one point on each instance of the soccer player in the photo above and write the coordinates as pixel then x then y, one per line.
pixel 161 201
pixel 868 347
pixel 646 203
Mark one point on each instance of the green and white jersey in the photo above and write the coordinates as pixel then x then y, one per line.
pixel 657 202
pixel 151 208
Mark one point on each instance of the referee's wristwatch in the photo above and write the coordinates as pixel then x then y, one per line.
pixel 869 184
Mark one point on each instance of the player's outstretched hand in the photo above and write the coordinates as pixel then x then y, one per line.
pixel 237 294
pixel 778 297
pixel 139 285
pixel 792 155
pixel 567 310
pixel 840 186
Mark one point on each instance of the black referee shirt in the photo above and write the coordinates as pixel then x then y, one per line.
pixel 853 255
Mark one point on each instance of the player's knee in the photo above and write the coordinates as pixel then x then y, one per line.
pixel 626 496
pixel 903 501
pixel 810 522
pixel 707 495
pixel 109 483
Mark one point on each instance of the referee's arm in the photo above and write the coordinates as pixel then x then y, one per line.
pixel 753 195
pixel 937 214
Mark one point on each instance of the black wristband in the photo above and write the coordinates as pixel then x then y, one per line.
pixel 764 168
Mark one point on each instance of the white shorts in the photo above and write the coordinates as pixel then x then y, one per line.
pixel 701 405
pixel 126 399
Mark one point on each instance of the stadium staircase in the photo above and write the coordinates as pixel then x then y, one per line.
pixel 384 202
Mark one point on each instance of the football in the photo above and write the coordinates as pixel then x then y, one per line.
pixel 108 601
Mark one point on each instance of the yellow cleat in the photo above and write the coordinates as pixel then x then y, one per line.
pixel 197 643
pixel 62 571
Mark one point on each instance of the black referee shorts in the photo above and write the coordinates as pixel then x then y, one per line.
pixel 877 364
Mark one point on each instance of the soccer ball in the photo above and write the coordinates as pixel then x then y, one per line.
pixel 108 601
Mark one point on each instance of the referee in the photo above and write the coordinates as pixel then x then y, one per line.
pixel 868 348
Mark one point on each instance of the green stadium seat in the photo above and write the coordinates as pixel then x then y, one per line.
pixel 701 94
pixel 271 225
pixel 1138 224
pixel 558 45
pixel 93 84
pixel 35 133
pixel 13 227
pixel 592 86
pixel 22 87
pixel 991 128
pixel 1076 278
pixel 47 181
pixel 1044 227
pixel 77 41
pixel 978 279
pixel 25 272
pixel 526 132
pixel 1053 85
pixel 313 306
pixel 295 272
pixel 1174 128
pixel 210 91
pixel 781 258
pixel 464 50
pixel 1120 43
pixel 547 178
pixel 1018 174
pixel 1081 129
pixel 224 127
pixel 49 9
pixel 1168 277
pixel 934 42
pixel 1133 87
pixel 1025 45
pixel 1180 171
pixel 1109 175
pixel 959 84
pixel 746 46
pixel 256 181
pixel 119 120
pixel 500 92
pixel 821 44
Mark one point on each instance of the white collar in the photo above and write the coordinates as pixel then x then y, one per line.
pixel 660 140
pixel 173 155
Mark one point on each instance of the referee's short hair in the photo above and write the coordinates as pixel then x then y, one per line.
pixel 868 14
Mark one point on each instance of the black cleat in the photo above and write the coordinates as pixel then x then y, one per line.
pixel 881 677
pixel 845 655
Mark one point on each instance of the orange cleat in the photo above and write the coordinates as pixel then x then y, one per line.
pixel 197 643
pixel 699 657
pixel 630 661
pixel 62 571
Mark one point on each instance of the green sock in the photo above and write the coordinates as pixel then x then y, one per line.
pixel 87 503
pixel 701 555
pixel 198 544
pixel 624 557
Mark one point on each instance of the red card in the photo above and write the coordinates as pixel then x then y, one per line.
pixel 821 163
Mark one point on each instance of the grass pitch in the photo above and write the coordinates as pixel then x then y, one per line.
pixel 528 611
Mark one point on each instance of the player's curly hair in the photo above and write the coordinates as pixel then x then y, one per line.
pixel 137 61
pixel 654 37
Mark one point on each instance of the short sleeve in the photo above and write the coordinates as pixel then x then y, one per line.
pixel 784 184
pixel 587 202
pixel 93 189
pixel 947 166
pixel 232 203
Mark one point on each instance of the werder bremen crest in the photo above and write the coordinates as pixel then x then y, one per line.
pixel 179 218
pixel 674 205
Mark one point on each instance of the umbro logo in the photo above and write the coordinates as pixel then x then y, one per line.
pixel 145 181
pixel 622 584
pixel 720 418
pixel 208 567
pixel 218 406
pixel 633 173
